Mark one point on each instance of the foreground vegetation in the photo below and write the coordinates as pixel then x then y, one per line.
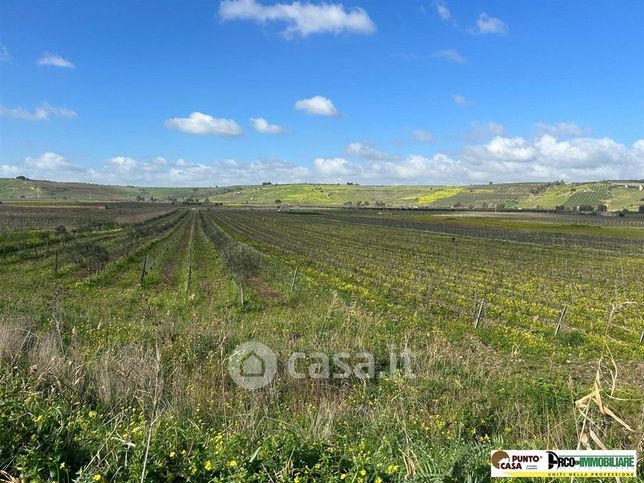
pixel 115 339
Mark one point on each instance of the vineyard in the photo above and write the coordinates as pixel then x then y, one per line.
pixel 117 324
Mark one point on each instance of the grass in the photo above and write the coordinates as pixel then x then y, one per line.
pixel 108 377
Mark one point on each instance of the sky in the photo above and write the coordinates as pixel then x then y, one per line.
pixel 205 93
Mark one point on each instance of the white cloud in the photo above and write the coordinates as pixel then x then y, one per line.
pixel 9 171
pixel 490 25
pixel 159 172
pixel 562 129
pixel 503 149
pixel 43 112
pixel 50 162
pixel 334 167
pixel 4 53
pixel 367 151
pixel 231 172
pixel 482 131
pixel 442 10
pixel 302 19
pixel 451 55
pixel 317 105
pixel 204 124
pixel 545 157
pixel 422 136
pixel 55 60
pixel 501 159
pixel 460 100
pixel 262 125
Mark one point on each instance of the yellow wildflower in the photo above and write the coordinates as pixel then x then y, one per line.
pixel 208 465
pixel 97 477
pixel 172 454
pixel 232 464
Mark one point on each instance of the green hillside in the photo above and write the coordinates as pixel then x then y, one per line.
pixel 616 195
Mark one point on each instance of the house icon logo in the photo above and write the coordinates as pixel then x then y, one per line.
pixel 252 365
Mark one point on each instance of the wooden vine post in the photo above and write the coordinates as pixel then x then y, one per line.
pixel 478 316
pixel 144 270
pixel 294 279
pixel 561 318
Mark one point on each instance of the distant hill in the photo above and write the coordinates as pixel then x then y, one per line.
pixel 615 195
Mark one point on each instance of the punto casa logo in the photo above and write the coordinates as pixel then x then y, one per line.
pixel 503 461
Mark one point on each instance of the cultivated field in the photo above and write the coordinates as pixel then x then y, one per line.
pixel 117 326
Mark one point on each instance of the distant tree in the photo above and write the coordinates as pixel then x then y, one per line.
pixel 348 203
pixel 60 230
pixel 601 207
pixel 266 183
pixel 560 208
pixel 278 202
pixel 641 209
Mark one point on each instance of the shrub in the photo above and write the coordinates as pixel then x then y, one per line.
pixel 90 256
pixel 241 262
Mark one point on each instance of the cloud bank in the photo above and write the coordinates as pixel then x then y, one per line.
pixel 554 152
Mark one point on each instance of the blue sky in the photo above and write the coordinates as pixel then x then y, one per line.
pixel 243 91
